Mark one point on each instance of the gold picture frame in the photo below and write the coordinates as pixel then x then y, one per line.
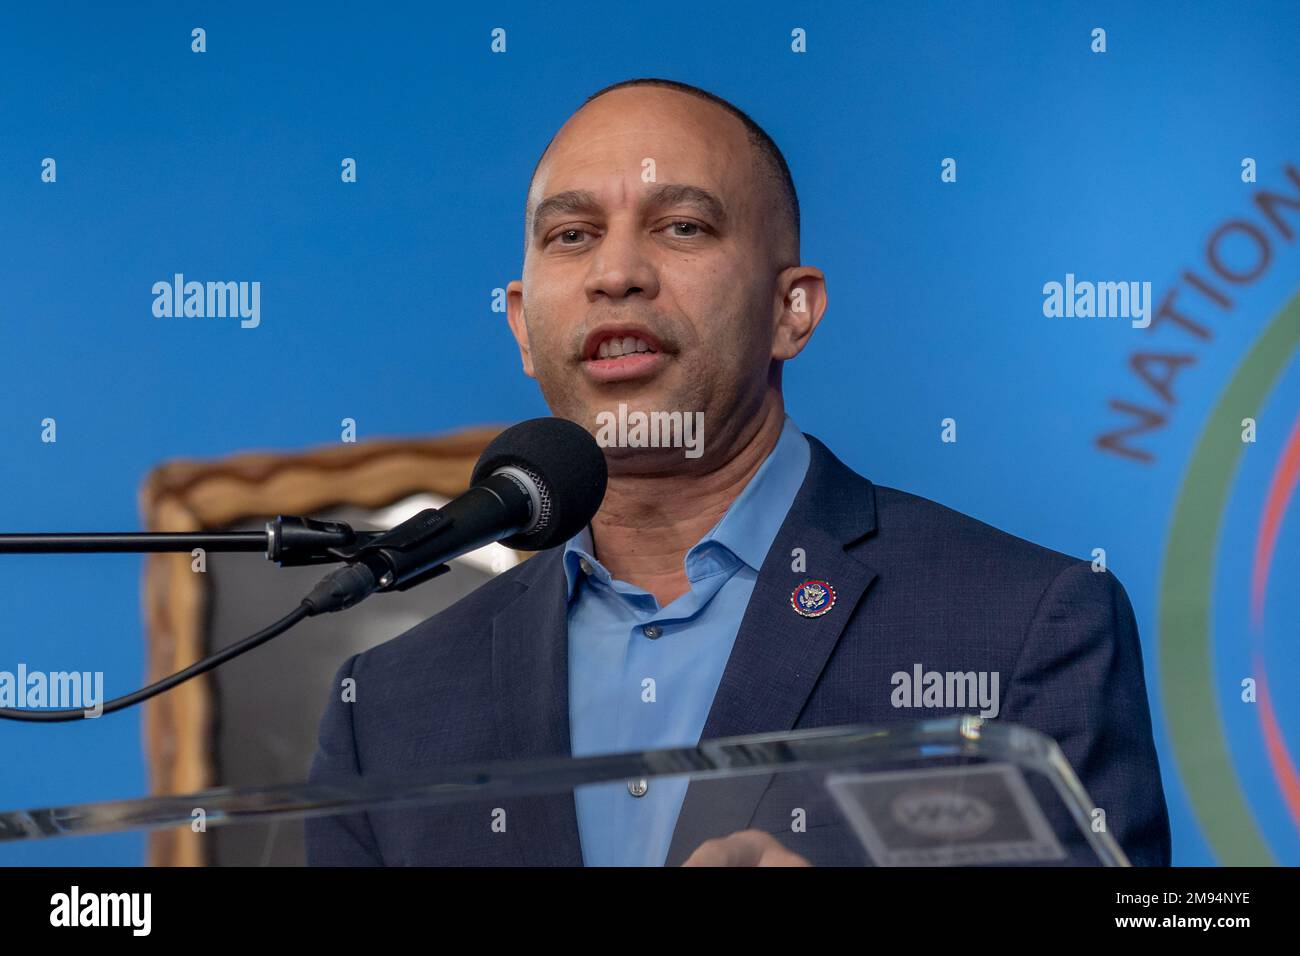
pixel 192 496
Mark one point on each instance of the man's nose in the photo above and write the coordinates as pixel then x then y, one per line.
pixel 620 267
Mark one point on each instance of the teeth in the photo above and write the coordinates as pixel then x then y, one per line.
pixel 626 345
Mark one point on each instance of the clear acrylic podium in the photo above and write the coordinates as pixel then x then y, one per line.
pixel 948 792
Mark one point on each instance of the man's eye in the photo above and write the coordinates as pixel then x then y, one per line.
pixel 690 228
pixel 569 236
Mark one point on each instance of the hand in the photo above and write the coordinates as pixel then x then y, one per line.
pixel 744 848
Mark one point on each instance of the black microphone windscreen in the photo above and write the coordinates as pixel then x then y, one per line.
pixel 564 458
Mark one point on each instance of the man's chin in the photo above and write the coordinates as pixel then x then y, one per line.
pixel 625 405
pixel 645 436
pixel 631 462
pixel 638 424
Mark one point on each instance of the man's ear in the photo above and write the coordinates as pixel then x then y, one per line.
pixel 518 327
pixel 799 306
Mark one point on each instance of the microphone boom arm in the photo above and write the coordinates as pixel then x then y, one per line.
pixel 289 541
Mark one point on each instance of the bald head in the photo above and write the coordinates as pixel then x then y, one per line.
pixel 720 123
pixel 661 270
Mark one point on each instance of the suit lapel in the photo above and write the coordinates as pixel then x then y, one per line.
pixel 778 654
pixel 530 680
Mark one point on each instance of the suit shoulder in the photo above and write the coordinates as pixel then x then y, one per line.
pixel 903 517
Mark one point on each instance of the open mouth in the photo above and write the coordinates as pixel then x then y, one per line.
pixel 614 354
pixel 618 346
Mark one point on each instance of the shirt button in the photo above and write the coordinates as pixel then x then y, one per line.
pixel 638 788
pixel 585 565
pixel 652 631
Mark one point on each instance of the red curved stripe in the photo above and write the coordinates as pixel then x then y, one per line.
pixel 1284 770
pixel 1280 490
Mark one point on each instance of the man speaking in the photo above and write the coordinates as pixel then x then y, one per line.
pixel 662 282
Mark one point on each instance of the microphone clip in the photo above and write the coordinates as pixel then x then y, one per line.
pixel 412 533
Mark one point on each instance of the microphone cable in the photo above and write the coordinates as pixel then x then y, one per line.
pixel 339 589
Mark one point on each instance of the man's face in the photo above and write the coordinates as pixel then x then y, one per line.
pixel 649 278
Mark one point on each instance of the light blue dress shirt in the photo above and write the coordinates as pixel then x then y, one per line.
pixel 644 677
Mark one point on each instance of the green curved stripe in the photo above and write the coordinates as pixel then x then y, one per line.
pixel 1186 668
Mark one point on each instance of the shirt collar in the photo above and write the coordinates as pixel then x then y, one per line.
pixel 750 525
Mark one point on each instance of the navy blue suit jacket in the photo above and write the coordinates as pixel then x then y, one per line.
pixel 915 582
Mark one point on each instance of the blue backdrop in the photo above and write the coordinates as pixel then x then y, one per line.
pixel 376 297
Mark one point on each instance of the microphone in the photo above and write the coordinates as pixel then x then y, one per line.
pixel 535 486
